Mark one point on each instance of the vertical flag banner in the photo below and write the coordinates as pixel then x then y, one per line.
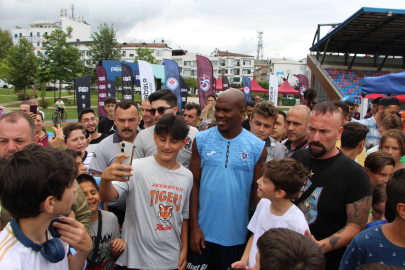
pixel 225 82
pixel 172 75
pixel 214 84
pixel 246 88
pixel 273 89
pixel 127 82
pixel 146 78
pixel 82 87
pixel 303 84
pixel 184 94
pixel 204 79
pixel 102 90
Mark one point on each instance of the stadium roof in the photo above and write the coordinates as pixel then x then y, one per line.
pixel 367 31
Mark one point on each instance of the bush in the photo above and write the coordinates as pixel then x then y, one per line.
pixel 34 95
pixel 43 103
pixel 22 96
pixel 70 93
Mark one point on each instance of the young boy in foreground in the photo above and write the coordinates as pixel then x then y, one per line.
pixel 108 242
pixel 36 186
pixel 156 221
pixel 282 178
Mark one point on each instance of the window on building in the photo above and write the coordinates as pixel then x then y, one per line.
pixel 124 53
pixel 246 62
pixel 159 53
pixel 214 63
pixel 187 63
pixel 131 55
pixel 187 72
pixel 38 44
pixel 236 79
pixel 20 34
pixel 46 33
pixel 15 36
pixel 88 62
pixel 37 34
pixel 38 53
pixel 246 71
pixel 83 53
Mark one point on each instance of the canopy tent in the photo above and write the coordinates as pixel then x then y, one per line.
pixel 401 98
pixel 393 83
pixel 286 88
pixel 218 85
pixel 374 96
pixel 256 88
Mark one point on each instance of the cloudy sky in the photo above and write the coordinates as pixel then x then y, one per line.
pixel 202 26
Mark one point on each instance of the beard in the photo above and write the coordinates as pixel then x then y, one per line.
pixel 317 153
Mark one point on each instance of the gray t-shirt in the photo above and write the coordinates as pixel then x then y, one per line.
pixel 275 150
pixel 157 203
pixel 145 145
pixel 109 231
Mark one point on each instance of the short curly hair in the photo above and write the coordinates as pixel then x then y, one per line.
pixel 265 108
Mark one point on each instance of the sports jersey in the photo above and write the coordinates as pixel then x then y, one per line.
pixel 227 168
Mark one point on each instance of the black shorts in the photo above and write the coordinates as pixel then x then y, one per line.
pixel 61 109
pixel 214 257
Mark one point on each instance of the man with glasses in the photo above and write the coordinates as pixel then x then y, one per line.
pixel 147 119
pixel 163 101
pixel 258 99
pixel 88 119
pixel 310 98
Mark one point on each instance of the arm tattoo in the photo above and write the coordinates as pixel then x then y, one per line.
pixel 357 212
pixel 322 246
pixel 333 240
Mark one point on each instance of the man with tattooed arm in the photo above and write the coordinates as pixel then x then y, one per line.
pixel 336 197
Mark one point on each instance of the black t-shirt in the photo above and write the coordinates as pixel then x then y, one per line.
pixel 99 139
pixel 246 124
pixel 325 208
pixel 106 126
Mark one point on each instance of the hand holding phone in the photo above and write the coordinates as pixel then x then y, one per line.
pixel 127 148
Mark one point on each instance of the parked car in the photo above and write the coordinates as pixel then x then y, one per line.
pixel 49 88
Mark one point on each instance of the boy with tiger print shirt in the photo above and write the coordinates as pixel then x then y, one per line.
pixel 158 190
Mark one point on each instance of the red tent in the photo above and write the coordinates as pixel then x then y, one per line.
pixel 256 88
pixel 374 96
pixel 218 85
pixel 401 98
pixel 286 88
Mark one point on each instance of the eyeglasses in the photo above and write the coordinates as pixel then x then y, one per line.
pixel 160 110
pixel 311 102
pixel 86 120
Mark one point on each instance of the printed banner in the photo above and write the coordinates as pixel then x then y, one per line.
pixel 111 88
pixel 246 88
pixel 82 86
pixel 225 82
pixel 273 89
pixel 204 79
pixel 172 74
pixel 303 84
pixel 127 82
pixel 102 90
pixel 146 78
pixel 184 94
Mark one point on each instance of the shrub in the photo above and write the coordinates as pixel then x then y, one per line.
pixel 34 95
pixel 43 103
pixel 21 96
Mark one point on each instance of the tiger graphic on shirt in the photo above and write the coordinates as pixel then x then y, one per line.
pixel 165 213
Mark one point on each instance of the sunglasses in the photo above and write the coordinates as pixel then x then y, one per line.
pixel 312 102
pixel 160 110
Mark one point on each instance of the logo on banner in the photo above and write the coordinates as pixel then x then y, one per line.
pixel 172 83
pixel 302 89
pixel 246 90
pixel 205 82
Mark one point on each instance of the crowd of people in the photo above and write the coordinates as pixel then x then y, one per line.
pixel 236 185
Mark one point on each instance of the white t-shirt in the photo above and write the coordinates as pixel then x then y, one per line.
pixel 157 202
pixel 373 149
pixel 16 256
pixel 263 220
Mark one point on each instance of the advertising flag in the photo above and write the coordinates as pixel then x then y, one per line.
pixel 273 89
pixel 204 79
pixel 127 82
pixel 146 78
pixel 184 94
pixel 225 82
pixel 172 75
pixel 102 90
pixel 246 88
pixel 82 87
pixel 303 84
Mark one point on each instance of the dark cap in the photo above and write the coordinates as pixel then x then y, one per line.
pixel 386 101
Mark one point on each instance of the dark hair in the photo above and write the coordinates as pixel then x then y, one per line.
pixel 193 105
pixel 396 189
pixel 353 134
pixel 13 118
pixel 356 105
pixel 25 103
pixel 281 248
pixel 325 107
pixel 287 174
pixel 250 104
pixel 376 101
pixel 31 175
pixel 377 266
pixel 213 96
pixel 173 125
pixel 387 101
pixel 392 122
pixel 84 111
pixel 398 136
pixel 70 127
pixel 283 114
pixel 166 95
pixel 343 106
pixel 376 161
pixel 266 109
pixel 87 178
pixel 310 94
pixel 125 104
pixel 350 103
pixel 379 194
pixel 110 100
pixel 40 113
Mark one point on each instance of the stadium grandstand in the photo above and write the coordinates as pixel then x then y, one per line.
pixel 369 43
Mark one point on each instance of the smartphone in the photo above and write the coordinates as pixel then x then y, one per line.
pixel 87 133
pixel 33 109
pixel 127 148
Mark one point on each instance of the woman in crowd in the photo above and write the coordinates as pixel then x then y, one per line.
pixel 393 143
pixel 43 135
pixel 379 167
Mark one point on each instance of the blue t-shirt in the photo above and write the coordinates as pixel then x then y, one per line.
pixel 226 180
pixel 371 246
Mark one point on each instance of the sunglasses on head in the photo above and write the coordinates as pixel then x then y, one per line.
pixel 160 110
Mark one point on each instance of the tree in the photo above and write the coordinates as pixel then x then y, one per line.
pixel 22 64
pixel 5 43
pixel 143 53
pixel 61 60
pixel 104 45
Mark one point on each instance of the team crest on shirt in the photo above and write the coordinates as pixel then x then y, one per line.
pixel 244 156
pixel 165 213
pixel 188 143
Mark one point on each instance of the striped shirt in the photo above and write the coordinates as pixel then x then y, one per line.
pixel 373 135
